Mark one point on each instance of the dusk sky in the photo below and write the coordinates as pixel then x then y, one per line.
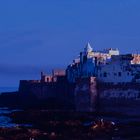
pixel 38 35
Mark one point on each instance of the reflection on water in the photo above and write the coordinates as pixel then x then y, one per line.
pixel 7 121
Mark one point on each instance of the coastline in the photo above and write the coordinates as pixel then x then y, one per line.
pixel 50 124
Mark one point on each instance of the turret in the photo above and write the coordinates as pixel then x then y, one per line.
pixel 88 48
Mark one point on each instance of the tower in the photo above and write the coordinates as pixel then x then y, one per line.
pixel 88 48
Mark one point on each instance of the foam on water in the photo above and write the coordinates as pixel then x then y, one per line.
pixel 6 121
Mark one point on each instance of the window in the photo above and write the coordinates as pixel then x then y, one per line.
pixel 119 74
pixel 115 74
pixel 105 74
pixel 47 79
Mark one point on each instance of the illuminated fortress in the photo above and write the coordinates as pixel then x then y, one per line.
pixel 96 80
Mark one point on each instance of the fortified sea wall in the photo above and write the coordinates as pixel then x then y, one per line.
pixel 120 98
pixel 59 91
pixel 90 95
pixel 87 94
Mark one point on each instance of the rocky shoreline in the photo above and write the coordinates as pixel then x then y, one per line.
pixel 69 125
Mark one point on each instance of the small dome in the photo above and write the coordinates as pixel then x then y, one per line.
pixel 88 48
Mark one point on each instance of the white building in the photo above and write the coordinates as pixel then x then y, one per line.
pixel 108 66
pixel 118 70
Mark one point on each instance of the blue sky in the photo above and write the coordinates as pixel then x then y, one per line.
pixel 38 35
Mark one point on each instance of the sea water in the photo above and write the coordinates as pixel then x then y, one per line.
pixel 6 121
pixel 8 89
